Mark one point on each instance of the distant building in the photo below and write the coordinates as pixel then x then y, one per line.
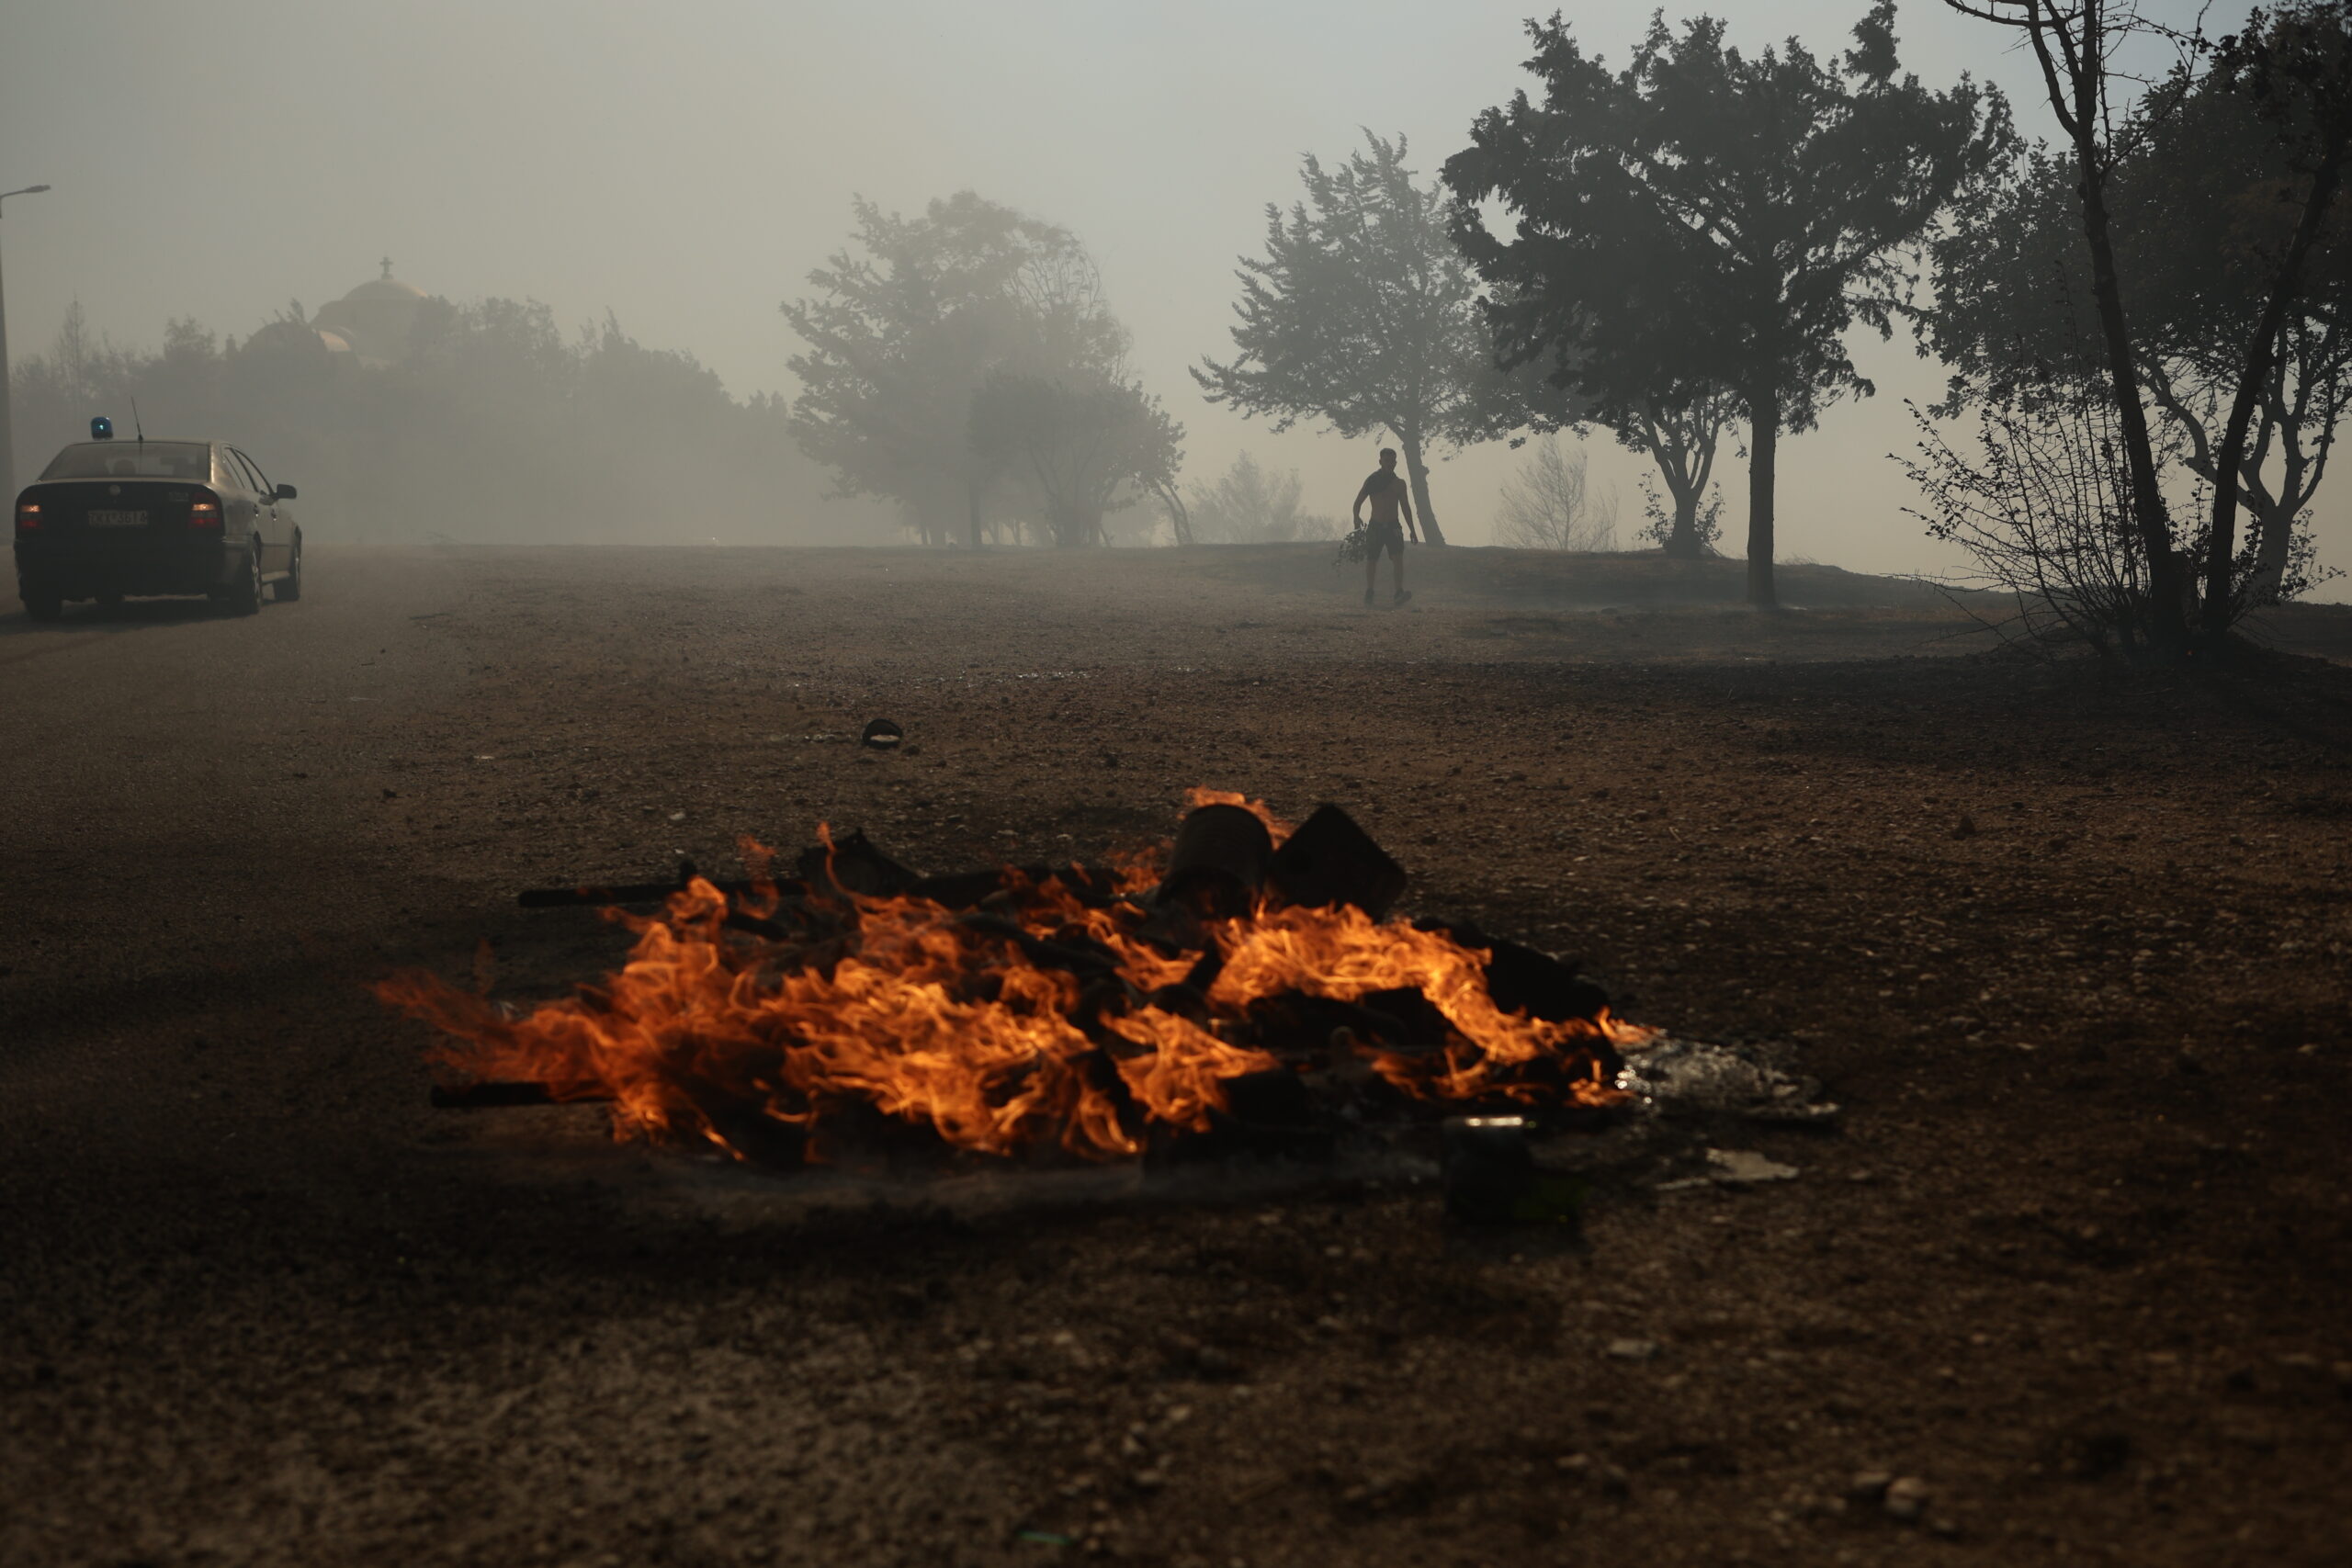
pixel 371 323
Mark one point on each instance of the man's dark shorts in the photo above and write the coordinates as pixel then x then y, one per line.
pixel 1385 538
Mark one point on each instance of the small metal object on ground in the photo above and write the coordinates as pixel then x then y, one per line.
pixel 1487 1166
pixel 1491 1177
pixel 882 734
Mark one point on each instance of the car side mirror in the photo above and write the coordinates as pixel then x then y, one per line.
pixel 285 492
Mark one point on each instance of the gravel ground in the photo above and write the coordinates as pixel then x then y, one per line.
pixel 2067 1283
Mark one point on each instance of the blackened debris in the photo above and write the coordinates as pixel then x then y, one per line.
pixel 1331 860
pixel 1219 862
pixel 855 865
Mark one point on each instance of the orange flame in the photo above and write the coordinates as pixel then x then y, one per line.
pixel 1038 1023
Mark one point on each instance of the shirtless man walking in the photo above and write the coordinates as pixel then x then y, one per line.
pixel 1385 490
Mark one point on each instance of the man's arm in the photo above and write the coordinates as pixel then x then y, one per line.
pixel 1355 512
pixel 1405 509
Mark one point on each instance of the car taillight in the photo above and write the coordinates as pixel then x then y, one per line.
pixel 29 517
pixel 205 510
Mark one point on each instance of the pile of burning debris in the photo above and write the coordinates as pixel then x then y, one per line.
pixel 1249 994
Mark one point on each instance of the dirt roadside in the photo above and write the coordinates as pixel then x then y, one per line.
pixel 2077 1259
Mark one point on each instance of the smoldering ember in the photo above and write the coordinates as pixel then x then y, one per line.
pixel 1047 784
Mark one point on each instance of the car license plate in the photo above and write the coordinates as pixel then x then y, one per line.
pixel 118 519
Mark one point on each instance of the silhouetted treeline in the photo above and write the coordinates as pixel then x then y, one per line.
pixel 496 426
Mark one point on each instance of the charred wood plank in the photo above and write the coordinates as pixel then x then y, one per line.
pixel 855 865
pixel 1526 979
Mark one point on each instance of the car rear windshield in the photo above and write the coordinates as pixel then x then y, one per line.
pixel 132 460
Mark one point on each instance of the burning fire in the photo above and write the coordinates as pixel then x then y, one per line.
pixel 1052 1014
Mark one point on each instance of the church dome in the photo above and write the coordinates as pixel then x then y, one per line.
pixel 385 287
pixel 374 319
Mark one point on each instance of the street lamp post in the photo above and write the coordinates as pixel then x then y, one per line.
pixel 8 428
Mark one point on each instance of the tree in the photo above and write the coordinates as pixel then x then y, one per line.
pixel 2208 269
pixel 1252 505
pixel 2202 197
pixel 1704 220
pixel 1087 449
pixel 1363 314
pixel 911 321
pixel 1679 429
pixel 1549 504
pixel 2294 65
pixel 2074 43
pixel 1680 438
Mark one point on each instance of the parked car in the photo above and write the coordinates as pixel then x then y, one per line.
pixel 109 518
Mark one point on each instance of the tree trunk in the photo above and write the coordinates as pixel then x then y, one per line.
pixel 2274 533
pixel 2220 544
pixel 1763 451
pixel 1417 473
pixel 1179 521
pixel 1685 453
pixel 1682 544
pixel 2168 628
pixel 972 513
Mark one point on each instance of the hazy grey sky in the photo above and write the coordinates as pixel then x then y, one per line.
pixel 686 165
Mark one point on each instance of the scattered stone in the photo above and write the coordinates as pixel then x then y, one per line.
pixel 1906 1499
pixel 1745 1167
pixel 1869 1486
pixel 1633 1350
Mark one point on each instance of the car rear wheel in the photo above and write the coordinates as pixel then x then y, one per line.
pixel 245 595
pixel 41 604
pixel 290 587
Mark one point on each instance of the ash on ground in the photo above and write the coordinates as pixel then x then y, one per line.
pixel 1675 1076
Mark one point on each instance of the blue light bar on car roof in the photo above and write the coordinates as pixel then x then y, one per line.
pixel 102 429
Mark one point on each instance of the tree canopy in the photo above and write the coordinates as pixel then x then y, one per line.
pixel 2219 324
pixel 912 320
pixel 1707 219
pixel 1363 314
pixel 2201 200
pixel 1087 445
